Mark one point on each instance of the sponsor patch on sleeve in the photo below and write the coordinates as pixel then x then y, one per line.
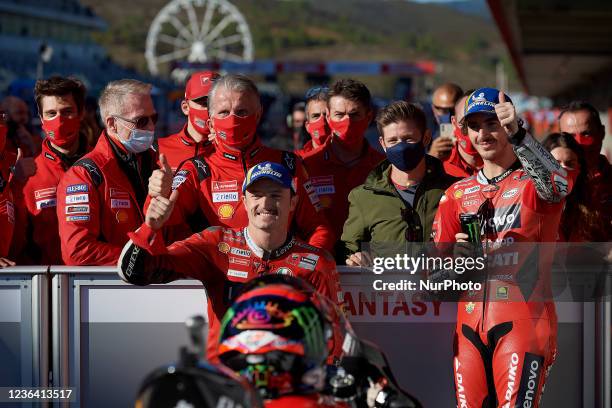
pixel 309 262
pixel 77 198
pixel 45 193
pixel 46 203
pixel 77 218
pixel 77 188
pixel 179 178
pixel 77 209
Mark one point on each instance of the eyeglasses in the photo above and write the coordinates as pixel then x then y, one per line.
pixel 445 110
pixel 4 117
pixel 316 90
pixel 140 122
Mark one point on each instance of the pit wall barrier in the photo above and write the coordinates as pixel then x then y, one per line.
pixel 83 327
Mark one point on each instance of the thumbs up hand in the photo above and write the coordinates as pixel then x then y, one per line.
pixel 25 167
pixel 506 114
pixel 160 182
pixel 160 210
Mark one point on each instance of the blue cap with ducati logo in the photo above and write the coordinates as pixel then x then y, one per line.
pixel 483 100
pixel 269 170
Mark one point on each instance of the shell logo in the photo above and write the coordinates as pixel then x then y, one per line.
pixel 223 247
pixel 122 216
pixel 225 211
pixel 458 193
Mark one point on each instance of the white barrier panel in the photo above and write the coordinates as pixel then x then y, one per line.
pixel 108 334
pixel 111 334
pixel 24 344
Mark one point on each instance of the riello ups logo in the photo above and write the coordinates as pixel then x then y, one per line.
pixel 506 218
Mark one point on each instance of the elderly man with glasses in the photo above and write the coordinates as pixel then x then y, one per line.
pixel 100 198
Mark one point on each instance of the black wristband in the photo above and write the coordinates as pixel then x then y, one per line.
pixel 518 137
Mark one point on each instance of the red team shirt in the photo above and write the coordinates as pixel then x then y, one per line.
pixel 332 180
pixel 40 198
pixel 97 206
pixel 210 193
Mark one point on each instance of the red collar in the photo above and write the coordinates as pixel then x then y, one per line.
pixel 223 152
pixel 457 160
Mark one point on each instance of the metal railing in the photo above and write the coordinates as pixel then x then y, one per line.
pixel 83 327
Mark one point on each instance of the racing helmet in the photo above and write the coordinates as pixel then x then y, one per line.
pixel 276 337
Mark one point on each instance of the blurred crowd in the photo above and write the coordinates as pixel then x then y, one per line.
pixel 213 203
pixel 356 194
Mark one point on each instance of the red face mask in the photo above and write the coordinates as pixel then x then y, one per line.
pixel 3 132
pixel 465 142
pixel 318 130
pixel 198 119
pixel 235 131
pixel 349 132
pixel 584 140
pixel 61 130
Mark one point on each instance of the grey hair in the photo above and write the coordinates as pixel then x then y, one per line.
pixel 113 95
pixel 233 82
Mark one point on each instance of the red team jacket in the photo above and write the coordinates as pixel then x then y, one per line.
pixel 210 193
pixel 223 259
pixel 40 201
pixel 180 146
pixel 96 207
pixel 332 180
pixel 7 208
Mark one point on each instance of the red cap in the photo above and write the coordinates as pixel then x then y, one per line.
pixel 199 84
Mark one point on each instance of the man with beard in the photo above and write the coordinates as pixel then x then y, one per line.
pixel 505 340
pixel 224 259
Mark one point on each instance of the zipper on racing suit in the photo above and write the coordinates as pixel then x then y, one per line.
pixel 487 214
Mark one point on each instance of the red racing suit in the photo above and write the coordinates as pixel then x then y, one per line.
pixel 210 193
pixel 505 340
pixel 333 180
pixel 7 208
pixel 99 200
pixel 39 195
pixel 181 146
pixel 223 259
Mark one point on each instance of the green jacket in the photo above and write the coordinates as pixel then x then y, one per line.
pixel 375 212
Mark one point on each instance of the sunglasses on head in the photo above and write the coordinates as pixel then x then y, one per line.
pixel 140 122
pixel 316 90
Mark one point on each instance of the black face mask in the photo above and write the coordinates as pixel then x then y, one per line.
pixel 406 156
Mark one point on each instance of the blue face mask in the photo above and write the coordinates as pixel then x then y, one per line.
pixel 140 140
pixel 406 156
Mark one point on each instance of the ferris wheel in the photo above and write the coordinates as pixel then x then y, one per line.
pixel 197 31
